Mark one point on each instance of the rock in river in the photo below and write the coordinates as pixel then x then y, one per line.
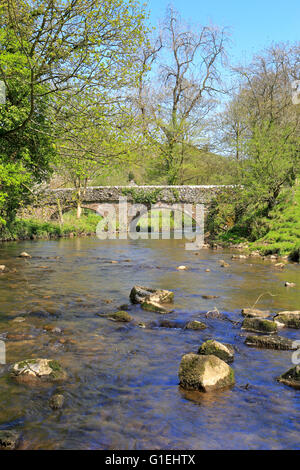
pixel 259 325
pixel 120 316
pixel 195 325
pixel 254 313
pixel 56 401
pixel 204 373
pixel 289 319
pixel 271 342
pixel 24 255
pixel 223 264
pixel 139 295
pixel 152 306
pixel 9 440
pixel 36 370
pixel 291 377
pixel 223 351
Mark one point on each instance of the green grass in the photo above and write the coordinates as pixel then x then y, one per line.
pixel 34 228
pixel 283 228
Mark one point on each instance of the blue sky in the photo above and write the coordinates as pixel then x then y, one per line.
pixel 253 24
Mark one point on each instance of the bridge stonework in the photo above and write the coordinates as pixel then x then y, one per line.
pixel 99 199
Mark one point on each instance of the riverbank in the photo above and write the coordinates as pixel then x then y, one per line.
pixel 35 229
pixel 278 234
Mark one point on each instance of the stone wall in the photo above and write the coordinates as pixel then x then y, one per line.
pixel 46 206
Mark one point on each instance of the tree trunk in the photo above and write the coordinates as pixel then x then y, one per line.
pixel 79 209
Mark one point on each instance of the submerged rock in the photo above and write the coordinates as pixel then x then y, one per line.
pixel 209 297
pixel 271 342
pixel 280 265
pixel 19 337
pixel 18 320
pixel 204 373
pixel 223 264
pixel 223 351
pixel 289 319
pixel 254 313
pixel 259 325
pixel 139 295
pixel 9 440
pixel 52 328
pixel 195 325
pixel 239 256
pixel 120 316
pixel 56 401
pixel 291 377
pixel 36 370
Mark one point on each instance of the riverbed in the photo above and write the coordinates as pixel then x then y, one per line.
pixel 122 388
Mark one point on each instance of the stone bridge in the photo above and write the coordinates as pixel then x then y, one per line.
pixel 138 200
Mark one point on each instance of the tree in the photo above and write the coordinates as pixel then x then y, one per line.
pixel 174 105
pixel 268 137
pixel 51 52
pixel 94 140
pixel 87 43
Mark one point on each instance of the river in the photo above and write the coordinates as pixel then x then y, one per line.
pixel 122 388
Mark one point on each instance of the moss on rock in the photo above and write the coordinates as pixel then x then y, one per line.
pixel 289 319
pixel 291 377
pixel 120 316
pixel 204 373
pixel 259 325
pixel 222 351
pixel 195 325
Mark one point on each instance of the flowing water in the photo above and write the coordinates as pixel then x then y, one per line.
pixel 122 388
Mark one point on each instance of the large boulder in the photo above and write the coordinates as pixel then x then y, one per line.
pixel 140 294
pixel 289 319
pixel 204 373
pixel 254 313
pixel 223 351
pixel 37 370
pixel 271 342
pixel 259 325
pixel 291 377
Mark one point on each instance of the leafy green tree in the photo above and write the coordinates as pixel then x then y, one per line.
pixel 267 141
pixel 52 51
pixel 174 105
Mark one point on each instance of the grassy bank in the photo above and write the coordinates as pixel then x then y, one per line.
pixel 35 229
pixel 279 233
pixel 283 228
